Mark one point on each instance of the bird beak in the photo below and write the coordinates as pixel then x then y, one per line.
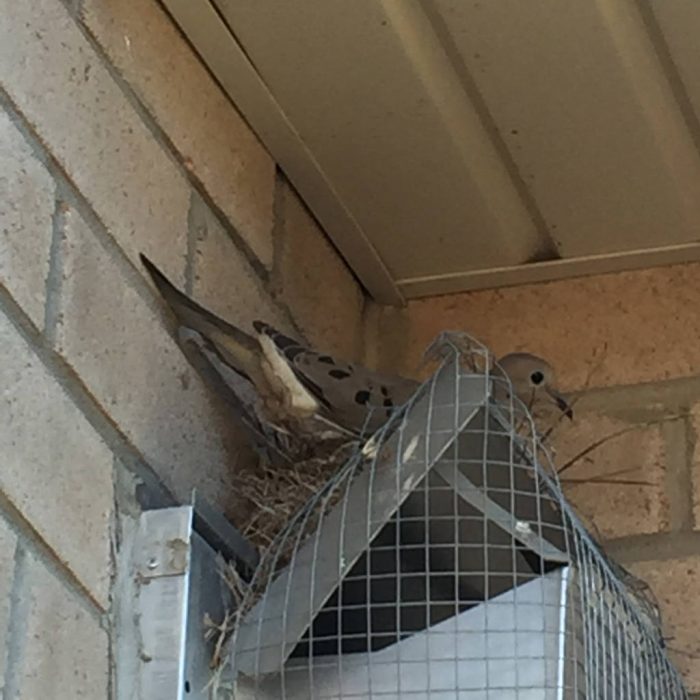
pixel 561 403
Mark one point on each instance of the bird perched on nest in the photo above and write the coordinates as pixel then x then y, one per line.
pixel 302 390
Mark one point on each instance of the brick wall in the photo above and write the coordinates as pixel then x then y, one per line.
pixel 115 140
pixel 642 332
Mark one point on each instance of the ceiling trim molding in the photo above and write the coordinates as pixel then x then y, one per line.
pixel 533 273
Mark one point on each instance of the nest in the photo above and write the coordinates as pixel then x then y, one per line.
pixel 285 503
pixel 275 493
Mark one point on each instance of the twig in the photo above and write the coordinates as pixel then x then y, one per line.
pixel 681 652
pixel 612 436
pixel 221 631
pixel 586 384
pixel 603 480
pixel 607 479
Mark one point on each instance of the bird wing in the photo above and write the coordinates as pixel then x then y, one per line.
pixel 308 382
pixel 353 396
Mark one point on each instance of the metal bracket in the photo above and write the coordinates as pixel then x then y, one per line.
pixel 177 587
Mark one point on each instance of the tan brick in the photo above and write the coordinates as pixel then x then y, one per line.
pixel 223 280
pixel 120 348
pixel 316 285
pixel 79 112
pixel 65 652
pixel 647 319
pixel 674 583
pixel 55 468
pixel 26 208
pixel 8 543
pixel 215 142
pixel 614 510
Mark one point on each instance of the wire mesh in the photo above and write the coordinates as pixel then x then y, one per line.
pixel 443 562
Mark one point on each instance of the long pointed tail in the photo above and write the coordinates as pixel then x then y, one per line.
pixel 236 347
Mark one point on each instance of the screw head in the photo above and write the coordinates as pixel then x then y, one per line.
pixel 152 563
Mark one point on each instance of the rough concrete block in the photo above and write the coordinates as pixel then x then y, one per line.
pixel 120 348
pixel 60 85
pixel 215 142
pixel 55 468
pixel 674 582
pixel 26 208
pixel 316 285
pixel 614 510
pixel 65 653
pixel 223 280
pixel 8 542
pixel 643 322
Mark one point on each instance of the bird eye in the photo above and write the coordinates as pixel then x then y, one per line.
pixel 537 378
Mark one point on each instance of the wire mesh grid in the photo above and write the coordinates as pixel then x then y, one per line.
pixel 443 562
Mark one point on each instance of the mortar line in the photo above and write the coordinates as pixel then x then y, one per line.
pixel 191 259
pixel 274 285
pixel 370 320
pixel 658 546
pixel 17 626
pixel 677 479
pixel 114 547
pixel 74 197
pixel 126 641
pixel 278 229
pixel 363 347
pixel 32 540
pixel 162 138
pixel 691 441
pixel 673 394
pixel 64 375
pixel 54 278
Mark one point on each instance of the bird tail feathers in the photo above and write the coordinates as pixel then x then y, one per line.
pixel 236 347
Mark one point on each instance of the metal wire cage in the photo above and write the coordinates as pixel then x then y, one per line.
pixel 443 562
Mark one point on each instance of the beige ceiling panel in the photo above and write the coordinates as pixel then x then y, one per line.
pixel 373 96
pixel 579 95
pixel 679 24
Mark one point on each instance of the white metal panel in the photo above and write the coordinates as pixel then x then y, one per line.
pixel 512 645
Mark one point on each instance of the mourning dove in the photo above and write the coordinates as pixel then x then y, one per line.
pixel 296 383
pixel 532 380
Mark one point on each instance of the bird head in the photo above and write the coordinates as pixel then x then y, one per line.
pixel 533 381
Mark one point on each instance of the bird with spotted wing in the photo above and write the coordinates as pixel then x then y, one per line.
pixel 299 388
pixel 293 382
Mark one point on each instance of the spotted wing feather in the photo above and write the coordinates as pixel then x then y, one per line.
pixel 352 396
